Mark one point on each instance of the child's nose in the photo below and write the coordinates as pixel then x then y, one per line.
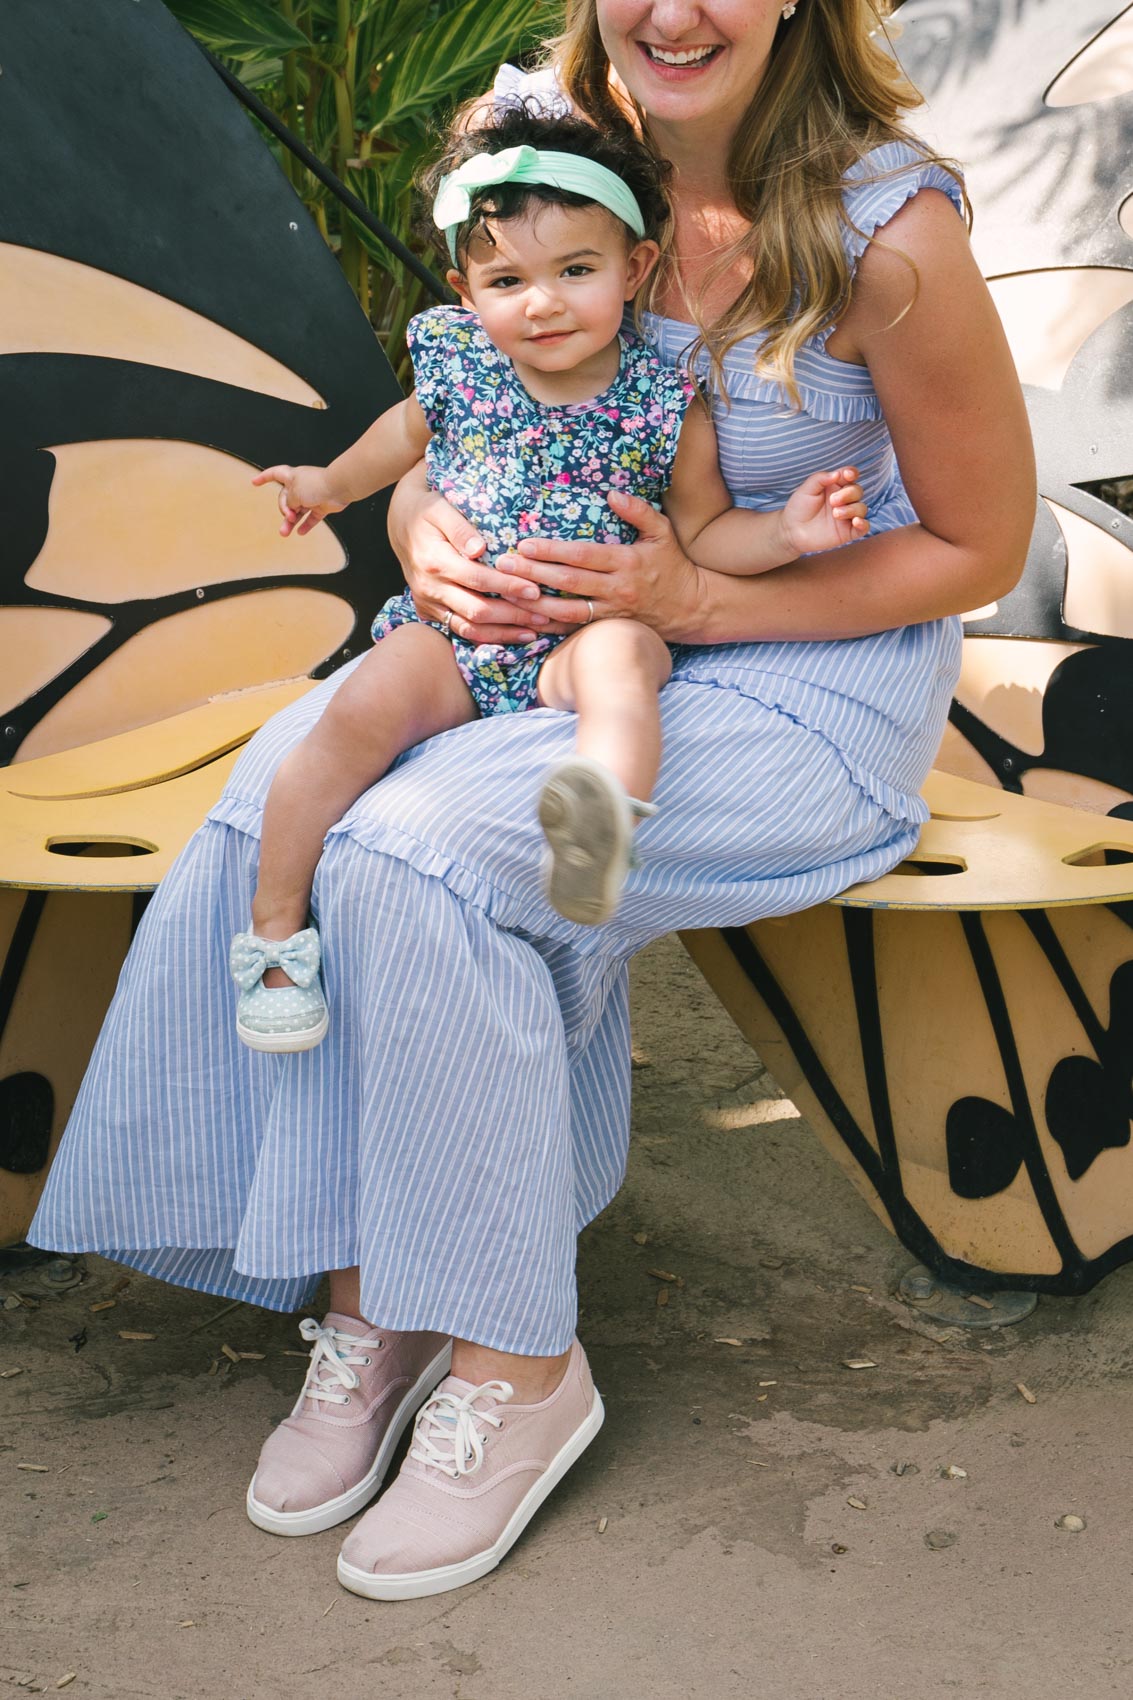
pixel 541 300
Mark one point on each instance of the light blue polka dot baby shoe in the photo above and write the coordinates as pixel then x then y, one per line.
pixel 279 1018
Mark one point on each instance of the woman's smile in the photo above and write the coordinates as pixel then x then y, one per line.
pixel 681 64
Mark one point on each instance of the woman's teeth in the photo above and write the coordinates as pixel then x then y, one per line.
pixel 689 56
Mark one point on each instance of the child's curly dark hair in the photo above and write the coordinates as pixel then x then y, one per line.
pixel 528 124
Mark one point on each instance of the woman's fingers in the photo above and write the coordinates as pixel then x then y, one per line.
pixel 456 530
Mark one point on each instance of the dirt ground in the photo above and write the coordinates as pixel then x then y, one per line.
pixel 739 1526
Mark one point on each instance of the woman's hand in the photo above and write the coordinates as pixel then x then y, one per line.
pixel 651 580
pixel 441 556
pixel 306 496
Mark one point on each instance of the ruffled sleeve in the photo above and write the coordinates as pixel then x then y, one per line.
pixel 878 186
pixel 432 339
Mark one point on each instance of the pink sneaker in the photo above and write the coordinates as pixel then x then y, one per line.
pixel 477 1472
pixel 328 1458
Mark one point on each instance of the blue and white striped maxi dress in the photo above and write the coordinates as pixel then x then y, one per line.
pixel 468 1113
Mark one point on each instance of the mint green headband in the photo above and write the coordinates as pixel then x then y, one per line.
pixel 531 165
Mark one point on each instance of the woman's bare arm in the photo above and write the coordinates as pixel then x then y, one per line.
pixel 947 385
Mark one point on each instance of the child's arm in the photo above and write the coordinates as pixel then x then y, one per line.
pixel 390 448
pixel 823 513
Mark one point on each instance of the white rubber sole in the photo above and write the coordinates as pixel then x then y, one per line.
pixel 416 1584
pixel 588 824
pixel 304 1041
pixel 332 1511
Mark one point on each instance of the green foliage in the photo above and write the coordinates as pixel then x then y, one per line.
pixel 368 85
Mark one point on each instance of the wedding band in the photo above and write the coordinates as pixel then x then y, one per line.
pixel 589 616
pixel 446 624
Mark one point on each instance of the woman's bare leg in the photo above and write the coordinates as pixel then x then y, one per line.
pixel 610 675
pixel 407 689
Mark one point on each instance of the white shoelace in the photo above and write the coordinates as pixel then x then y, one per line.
pixel 447 1434
pixel 334 1352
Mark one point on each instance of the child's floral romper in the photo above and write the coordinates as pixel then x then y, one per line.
pixel 516 467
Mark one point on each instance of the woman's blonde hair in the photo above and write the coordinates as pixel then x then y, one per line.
pixel 831 93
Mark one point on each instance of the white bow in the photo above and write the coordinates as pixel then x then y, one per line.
pixel 454 197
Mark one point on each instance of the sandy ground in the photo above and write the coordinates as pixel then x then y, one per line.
pixel 738 1528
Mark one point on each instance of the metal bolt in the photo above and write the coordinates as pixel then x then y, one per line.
pixel 293 225
pixel 200 595
pixel 11 732
pixel 920 1287
pixel 1008 764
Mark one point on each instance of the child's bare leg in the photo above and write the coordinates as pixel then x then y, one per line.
pixel 610 674
pixel 407 689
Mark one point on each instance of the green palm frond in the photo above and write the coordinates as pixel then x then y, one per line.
pixel 460 51
pixel 368 85
pixel 252 29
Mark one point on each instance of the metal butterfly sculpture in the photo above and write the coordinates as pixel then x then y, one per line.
pixel 170 322
pixel 971 1065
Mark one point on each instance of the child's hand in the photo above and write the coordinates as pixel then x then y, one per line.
pixel 305 496
pixel 825 512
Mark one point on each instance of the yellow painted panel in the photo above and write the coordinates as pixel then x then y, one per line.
pixel 830 1026
pixel 1102 71
pixel 49 305
pixel 150 787
pixel 1073 790
pixel 956 756
pixel 191 517
pixel 939 1045
pixel 1048 315
pixel 260 638
pixel 1099 1205
pixel 37 643
pixel 1003 680
pixel 64 992
pixel 1026 856
pixel 150 754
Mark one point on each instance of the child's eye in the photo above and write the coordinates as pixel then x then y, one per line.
pixel 503 282
pixel 578 271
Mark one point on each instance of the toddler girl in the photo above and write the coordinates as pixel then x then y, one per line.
pixel 532 406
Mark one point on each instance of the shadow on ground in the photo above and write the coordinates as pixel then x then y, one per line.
pixel 739 1528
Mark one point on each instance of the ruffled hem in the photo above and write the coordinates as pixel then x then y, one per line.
pixel 509 910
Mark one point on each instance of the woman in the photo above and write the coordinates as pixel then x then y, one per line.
pixel 440 1153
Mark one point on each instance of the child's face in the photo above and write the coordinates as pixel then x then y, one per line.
pixel 552 290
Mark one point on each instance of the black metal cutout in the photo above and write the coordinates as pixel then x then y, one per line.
pixel 1077 1274
pixel 1028 1135
pixel 1089 1103
pixel 27 1111
pixel 857 925
pixel 23 937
